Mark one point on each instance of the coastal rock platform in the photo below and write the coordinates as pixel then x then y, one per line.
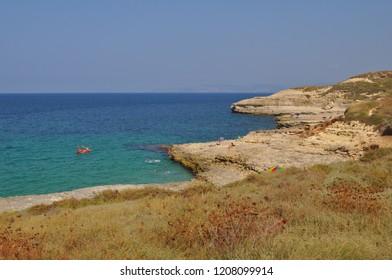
pixel 228 161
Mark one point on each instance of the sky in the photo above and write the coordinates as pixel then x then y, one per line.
pixel 189 46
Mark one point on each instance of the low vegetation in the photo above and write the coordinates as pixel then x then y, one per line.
pixel 370 95
pixel 310 88
pixel 373 112
pixel 338 211
pixel 380 85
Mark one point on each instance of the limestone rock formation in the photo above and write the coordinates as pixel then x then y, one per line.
pixel 231 160
pixel 312 105
pixel 317 125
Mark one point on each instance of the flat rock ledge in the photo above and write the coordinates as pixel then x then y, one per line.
pixel 228 161
pixel 296 107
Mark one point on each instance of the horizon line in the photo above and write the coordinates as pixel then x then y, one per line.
pixel 145 92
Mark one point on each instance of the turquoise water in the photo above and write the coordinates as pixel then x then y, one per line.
pixel 39 134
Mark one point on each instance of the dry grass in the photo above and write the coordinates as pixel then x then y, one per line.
pixel 381 86
pixel 310 88
pixel 340 211
pixel 374 112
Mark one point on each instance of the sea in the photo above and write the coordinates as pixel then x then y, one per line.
pixel 39 135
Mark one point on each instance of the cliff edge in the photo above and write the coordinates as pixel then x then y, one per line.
pixel 317 125
pixel 310 105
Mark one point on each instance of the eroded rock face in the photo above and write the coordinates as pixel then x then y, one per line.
pixel 232 160
pixel 295 107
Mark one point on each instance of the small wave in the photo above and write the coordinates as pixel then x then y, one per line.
pixel 164 173
pixel 152 161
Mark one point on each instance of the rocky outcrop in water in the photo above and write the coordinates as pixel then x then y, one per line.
pixel 295 106
pixel 312 105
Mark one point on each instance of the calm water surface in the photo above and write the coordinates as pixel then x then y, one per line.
pixel 39 134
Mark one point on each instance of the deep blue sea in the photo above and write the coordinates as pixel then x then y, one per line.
pixel 39 134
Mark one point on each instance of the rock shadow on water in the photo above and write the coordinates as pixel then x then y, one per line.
pixel 151 148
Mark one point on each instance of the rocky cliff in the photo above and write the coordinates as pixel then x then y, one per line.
pixel 311 105
pixel 341 122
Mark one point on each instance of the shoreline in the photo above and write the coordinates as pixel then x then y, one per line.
pixel 20 203
pixel 311 130
pixel 228 161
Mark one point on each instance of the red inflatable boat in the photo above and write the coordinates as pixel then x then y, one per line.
pixel 83 151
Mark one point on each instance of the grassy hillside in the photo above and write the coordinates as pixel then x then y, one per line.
pixel 340 211
pixel 371 85
pixel 375 112
pixel 372 96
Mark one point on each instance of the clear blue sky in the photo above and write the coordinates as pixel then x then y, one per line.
pixel 146 45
